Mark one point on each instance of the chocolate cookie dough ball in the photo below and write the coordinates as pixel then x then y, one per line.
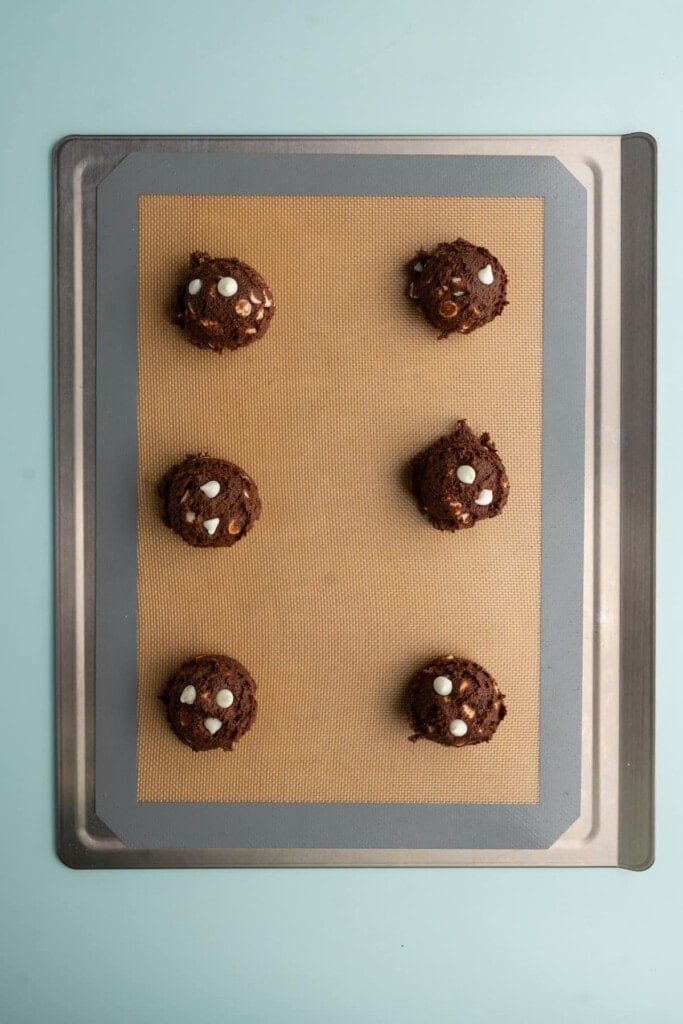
pixel 210 702
pixel 210 503
pixel 455 702
pixel 222 303
pixel 458 286
pixel 459 480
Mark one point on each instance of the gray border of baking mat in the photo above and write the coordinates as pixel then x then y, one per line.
pixel 300 825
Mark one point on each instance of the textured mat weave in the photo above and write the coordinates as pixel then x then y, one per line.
pixel 342 589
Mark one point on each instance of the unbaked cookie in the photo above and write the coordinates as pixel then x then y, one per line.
pixel 210 503
pixel 458 286
pixel 459 480
pixel 210 702
pixel 455 702
pixel 222 303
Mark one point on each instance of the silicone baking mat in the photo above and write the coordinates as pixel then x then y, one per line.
pixel 343 589
pixel 324 418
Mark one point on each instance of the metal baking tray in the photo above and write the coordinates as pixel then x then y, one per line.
pixel 596 803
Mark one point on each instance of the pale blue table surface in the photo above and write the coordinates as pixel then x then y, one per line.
pixel 331 945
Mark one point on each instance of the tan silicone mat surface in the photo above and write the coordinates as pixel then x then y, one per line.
pixel 342 589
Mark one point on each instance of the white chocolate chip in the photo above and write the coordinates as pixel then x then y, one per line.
pixel 456 280
pixel 194 286
pixel 250 330
pixel 189 695
pixel 224 698
pixel 227 286
pixel 267 302
pixel 211 489
pixel 486 275
pixel 467 711
pixel 458 293
pixel 212 725
pixel 259 314
pixel 253 297
pixel 484 497
pixel 243 307
pixel 443 686
pixel 211 525
pixel 190 517
pixel 458 727
pixel 418 268
pixel 466 474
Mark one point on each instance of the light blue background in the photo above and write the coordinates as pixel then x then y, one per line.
pixel 596 946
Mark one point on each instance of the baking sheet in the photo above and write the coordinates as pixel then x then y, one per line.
pixel 100 844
